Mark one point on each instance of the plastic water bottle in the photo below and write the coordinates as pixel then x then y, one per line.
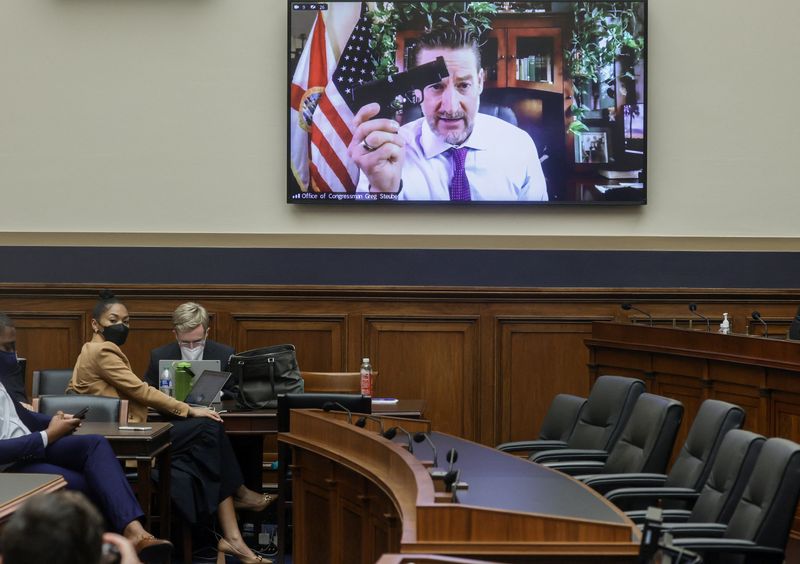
pixel 366 377
pixel 725 326
pixel 166 384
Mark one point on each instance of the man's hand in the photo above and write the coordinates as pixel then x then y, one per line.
pixel 60 426
pixel 127 553
pixel 377 149
pixel 203 412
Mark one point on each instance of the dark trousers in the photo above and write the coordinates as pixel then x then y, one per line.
pixel 204 467
pixel 88 465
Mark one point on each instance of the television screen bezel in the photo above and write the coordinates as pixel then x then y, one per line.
pixel 346 203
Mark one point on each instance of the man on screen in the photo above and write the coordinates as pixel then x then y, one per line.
pixel 452 152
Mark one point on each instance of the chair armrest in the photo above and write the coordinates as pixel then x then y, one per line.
pixel 638 480
pixel 531 446
pixel 569 454
pixel 577 468
pixel 604 483
pixel 667 515
pixel 638 498
pixel 705 530
pixel 765 554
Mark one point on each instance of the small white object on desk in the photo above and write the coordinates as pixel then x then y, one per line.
pixel 385 400
pixel 725 326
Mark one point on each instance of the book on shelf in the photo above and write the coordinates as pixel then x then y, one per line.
pixel 617 174
pixel 535 68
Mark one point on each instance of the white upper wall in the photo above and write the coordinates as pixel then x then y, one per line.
pixel 169 116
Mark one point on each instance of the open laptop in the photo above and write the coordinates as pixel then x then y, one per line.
pixel 197 366
pixel 205 390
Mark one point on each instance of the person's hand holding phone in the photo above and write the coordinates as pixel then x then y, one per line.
pixel 60 426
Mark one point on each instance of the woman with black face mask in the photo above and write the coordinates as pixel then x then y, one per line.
pixel 206 478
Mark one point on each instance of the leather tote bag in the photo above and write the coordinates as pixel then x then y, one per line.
pixel 262 374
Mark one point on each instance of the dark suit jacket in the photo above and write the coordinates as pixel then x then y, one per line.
pixel 172 351
pixel 27 447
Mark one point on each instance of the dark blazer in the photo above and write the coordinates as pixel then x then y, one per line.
pixel 27 447
pixel 172 351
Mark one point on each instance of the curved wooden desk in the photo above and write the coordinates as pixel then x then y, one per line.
pixel 358 495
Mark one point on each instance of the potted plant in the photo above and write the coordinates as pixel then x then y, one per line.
pixel 603 33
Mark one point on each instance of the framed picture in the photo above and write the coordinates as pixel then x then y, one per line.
pixel 591 147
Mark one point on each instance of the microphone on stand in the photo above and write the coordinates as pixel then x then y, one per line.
pixel 420 437
pixel 331 405
pixel 757 316
pixel 450 479
pixel 452 456
pixel 693 309
pixel 451 475
pixel 391 433
pixel 362 421
pixel 628 307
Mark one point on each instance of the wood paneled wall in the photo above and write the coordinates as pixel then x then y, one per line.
pixel 486 361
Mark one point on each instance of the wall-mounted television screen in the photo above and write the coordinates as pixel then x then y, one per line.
pixel 467 103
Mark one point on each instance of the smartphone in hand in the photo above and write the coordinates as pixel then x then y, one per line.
pixel 82 413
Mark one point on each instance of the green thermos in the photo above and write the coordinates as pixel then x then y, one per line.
pixel 183 380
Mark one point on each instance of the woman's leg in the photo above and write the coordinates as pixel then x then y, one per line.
pixel 230 528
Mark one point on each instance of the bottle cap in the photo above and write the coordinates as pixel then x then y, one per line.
pixel 365 360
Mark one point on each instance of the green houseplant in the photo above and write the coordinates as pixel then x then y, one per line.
pixel 601 31
pixel 387 17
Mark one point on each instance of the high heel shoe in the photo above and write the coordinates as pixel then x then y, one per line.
pixel 265 501
pixel 224 547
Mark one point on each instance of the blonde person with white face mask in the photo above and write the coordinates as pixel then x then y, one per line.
pixel 190 326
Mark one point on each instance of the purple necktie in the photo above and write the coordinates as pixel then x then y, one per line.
pixel 459 183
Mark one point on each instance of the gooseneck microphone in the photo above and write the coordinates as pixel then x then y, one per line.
pixel 693 309
pixel 362 421
pixel 331 405
pixel 452 475
pixel 757 316
pixel 391 433
pixel 628 307
pixel 452 456
pixel 420 437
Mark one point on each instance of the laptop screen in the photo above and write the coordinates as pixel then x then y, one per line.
pixel 208 385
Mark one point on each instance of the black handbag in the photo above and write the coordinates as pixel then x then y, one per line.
pixel 262 374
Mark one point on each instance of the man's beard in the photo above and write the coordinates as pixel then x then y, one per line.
pixel 453 137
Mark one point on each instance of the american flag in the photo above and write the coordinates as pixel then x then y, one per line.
pixel 331 132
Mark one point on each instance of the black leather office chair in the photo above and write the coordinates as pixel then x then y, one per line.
pixel 558 424
pixel 759 527
pixel 52 382
pixel 601 420
pixel 719 494
pixel 692 466
pixel 101 408
pixel 644 446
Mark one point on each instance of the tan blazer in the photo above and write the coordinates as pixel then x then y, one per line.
pixel 103 370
